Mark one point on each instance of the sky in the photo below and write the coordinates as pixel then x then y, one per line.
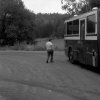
pixel 44 6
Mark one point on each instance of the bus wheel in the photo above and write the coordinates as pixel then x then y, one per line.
pixel 71 58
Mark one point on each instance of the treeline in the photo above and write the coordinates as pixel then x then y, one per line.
pixel 18 24
pixel 50 25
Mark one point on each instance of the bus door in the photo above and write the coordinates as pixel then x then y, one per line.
pixel 82 40
pixel 82 30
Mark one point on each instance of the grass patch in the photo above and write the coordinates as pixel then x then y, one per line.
pixel 40 46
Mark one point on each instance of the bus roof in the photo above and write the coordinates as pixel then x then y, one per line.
pixel 84 15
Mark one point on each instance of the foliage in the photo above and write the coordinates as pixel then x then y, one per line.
pixel 16 22
pixel 50 25
pixel 79 6
pixel 74 7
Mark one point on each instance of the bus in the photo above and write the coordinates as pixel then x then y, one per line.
pixel 82 38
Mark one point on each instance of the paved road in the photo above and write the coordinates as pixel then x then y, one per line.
pixel 26 76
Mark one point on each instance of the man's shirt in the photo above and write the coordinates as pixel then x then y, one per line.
pixel 49 45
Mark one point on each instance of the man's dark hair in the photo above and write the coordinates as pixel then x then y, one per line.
pixel 50 39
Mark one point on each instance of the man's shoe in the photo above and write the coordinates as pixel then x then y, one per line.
pixel 46 61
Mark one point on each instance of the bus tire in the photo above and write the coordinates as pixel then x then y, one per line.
pixel 71 56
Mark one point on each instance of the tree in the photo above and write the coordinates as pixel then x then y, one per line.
pixel 7 10
pixel 50 25
pixel 73 7
pixel 17 22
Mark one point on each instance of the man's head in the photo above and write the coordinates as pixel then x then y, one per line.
pixel 50 39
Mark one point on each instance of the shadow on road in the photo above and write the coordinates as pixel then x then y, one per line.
pixel 87 67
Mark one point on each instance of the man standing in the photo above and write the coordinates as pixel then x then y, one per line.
pixel 50 50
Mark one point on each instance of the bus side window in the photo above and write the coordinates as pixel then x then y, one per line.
pixel 91 20
pixel 76 26
pixel 69 28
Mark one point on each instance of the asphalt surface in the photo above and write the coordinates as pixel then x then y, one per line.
pixel 27 76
